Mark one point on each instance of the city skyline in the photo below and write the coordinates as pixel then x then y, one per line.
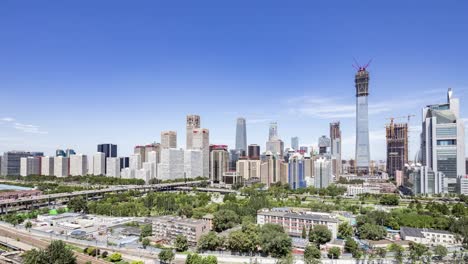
pixel 55 89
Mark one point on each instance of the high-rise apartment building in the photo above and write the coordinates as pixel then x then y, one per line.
pixel 397 147
pixel 201 141
pixel 156 148
pixel 219 164
pixel 296 172
pixel 172 164
pixel 241 136
pixel 323 172
pixel 423 180
pixel 99 163
pixel 273 170
pixel 11 162
pixel 443 140
pixel 141 151
pixel 295 143
pixel 113 167
pixel 61 166
pixel 362 122
pixel 30 166
pixel 193 122
pixel 335 137
pixel 273 132
pixel 254 152
pixel 47 166
pixel 168 139
pixel 135 162
pixel 248 169
pixel 275 146
pixel 78 165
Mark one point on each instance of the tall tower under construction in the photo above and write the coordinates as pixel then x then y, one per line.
pixel 397 147
pixel 362 121
pixel 335 136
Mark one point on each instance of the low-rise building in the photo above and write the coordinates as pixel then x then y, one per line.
pixel 169 227
pixel 294 222
pixel 427 236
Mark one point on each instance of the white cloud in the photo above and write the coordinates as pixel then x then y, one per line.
pixel 7 119
pixel 28 128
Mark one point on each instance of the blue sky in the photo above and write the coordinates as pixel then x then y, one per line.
pixel 75 74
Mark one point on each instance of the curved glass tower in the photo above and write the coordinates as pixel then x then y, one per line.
pixel 241 136
pixel 362 122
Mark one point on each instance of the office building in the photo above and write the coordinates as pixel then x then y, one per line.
pixel 169 227
pixel 47 166
pixel 78 165
pixel 69 152
pixel 324 145
pixel 193 122
pixel 168 139
pixel 127 173
pixel 462 183
pixel 248 169
pixel 113 167
pixel 109 150
pixel 193 163
pixel 293 222
pixel 135 162
pixel 254 152
pixel 30 166
pixel 241 136
pixel 11 162
pixel 219 162
pixel 335 140
pixel 201 141
pixel 99 163
pixel 140 150
pixel 171 166
pixel 424 180
pixel 234 156
pixel 443 140
pixel 323 172
pixel 295 143
pixel 61 166
pixel 362 121
pixel 273 170
pixel 296 172
pixel 397 147
pixel 273 131
pixel 156 148
pixel 275 146
pixel 124 162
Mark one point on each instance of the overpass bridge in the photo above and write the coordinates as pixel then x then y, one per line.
pixel 46 199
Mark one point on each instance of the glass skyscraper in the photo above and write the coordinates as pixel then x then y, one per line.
pixel 241 136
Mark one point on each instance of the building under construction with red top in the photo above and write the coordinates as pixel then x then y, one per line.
pixel 397 147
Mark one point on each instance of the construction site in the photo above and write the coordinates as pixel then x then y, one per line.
pixel 397 146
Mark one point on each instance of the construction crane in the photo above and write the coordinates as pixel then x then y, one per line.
pixel 408 117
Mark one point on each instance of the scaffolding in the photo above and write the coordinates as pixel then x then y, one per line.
pixel 397 146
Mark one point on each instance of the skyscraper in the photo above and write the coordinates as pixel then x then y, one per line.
pixel 61 166
pixel 47 166
pixel 140 150
pixel 443 140
pixel 254 152
pixel 241 136
pixel 219 161
pixel 168 139
pixel 295 143
pixel 78 165
pixel 322 173
pixel 109 150
pixel 30 166
pixel 397 147
pixel 324 145
pixel 296 171
pixel 335 136
pixel 11 162
pixel 273 132
pixel 193 121
pixel 201 141
pixel 99 163
pixel 362 121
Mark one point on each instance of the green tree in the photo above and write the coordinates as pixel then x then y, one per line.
pixel 351 245
pixel 311 254
pixel 145 242
pixel 399 252
pixel 210 260
pixel 166 256
pixel 28 225
pixel 440 252
pixel 372 232
pixel 78 204
pixel 209 241
pixel 345 230
pixel 304 233
pixel 320 235
pixel 181 243
pixel 288 259
pixel 390 199
pixel 381 252
pixel 137 262
pixel 416 251
pixel 334 253
pixel 57 253
pixel 146 231
pixel 274 241
pixel 115 257
pixel 225 219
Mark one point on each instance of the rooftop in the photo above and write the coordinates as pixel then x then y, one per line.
pixel 418 232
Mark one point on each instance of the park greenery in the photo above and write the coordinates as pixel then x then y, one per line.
pixel 56 252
